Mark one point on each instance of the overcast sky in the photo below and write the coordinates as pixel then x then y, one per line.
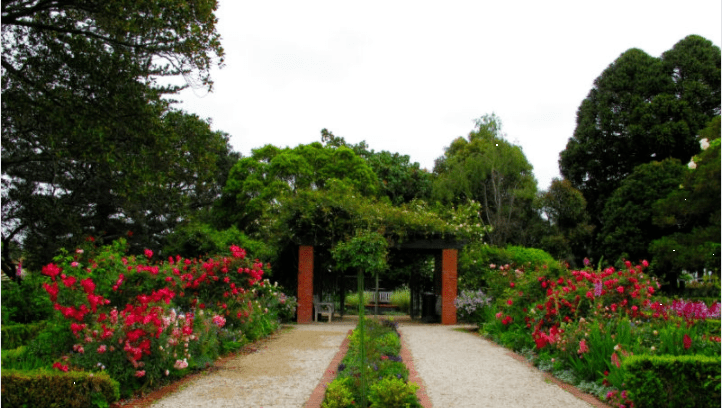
pixel 411 76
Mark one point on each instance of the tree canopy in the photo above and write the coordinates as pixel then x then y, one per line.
pixel 89 144
pixel 488 169
pixel 257 183
pixel 399 179
pixel 627 227
pixel 691 214
pixel 569 233
pixel 641 109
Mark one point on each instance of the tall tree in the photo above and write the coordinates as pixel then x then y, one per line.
pixel 627 227
pixel 140 191
pixel 488 169
pixel 691 215
pixel 86 133
pixel 641 109
pixel 569 234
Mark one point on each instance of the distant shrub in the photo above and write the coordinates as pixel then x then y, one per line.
pixel 401 298
pixel 353 298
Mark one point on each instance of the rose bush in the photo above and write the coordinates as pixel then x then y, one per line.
pixel 143 320
pixel 584 323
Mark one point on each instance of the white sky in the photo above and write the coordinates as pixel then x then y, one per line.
pixel 411 76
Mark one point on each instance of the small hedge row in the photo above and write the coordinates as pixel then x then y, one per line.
pixel 16 335
pixel 673 381
pixel 45 388
pixel 386 375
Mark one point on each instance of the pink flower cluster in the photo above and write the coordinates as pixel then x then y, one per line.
pixel 689 310
pixel 219 321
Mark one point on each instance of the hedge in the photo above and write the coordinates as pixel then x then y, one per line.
pixel 45 388
pixel 16 335
pixel 673 381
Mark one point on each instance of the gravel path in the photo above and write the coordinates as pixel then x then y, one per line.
pixel 458 369
pixel 282 374
pixel 464 370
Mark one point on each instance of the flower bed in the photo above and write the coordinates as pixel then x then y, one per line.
pixel 584 325
pixel 386 375
pixel 145 322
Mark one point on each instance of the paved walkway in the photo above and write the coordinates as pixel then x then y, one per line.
pixel 282 374
pixel 461 370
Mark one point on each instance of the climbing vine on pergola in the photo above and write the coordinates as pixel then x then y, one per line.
pixel 321 220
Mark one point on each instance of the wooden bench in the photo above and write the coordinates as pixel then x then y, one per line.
pixel 384 297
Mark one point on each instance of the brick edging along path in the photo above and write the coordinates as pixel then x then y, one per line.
pixel 316 398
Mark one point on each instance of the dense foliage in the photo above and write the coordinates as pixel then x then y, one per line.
pixel 258 183
pixel 627 227
pixel 569 232
pixel 641 109
pixel 693 213
pixel 90 146
pixel 486 168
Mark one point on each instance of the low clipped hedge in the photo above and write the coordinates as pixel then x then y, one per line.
pixel 673 381
pixel 16 335
pixel 45 388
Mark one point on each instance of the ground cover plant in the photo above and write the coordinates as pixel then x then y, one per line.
pixel 146 321
pixel 585 325
pixel 387 376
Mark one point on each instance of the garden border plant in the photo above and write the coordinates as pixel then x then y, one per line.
pixel 388 385
pixel 146 323
pixel 583 325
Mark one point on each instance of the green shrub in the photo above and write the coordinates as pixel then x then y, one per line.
pixel 474 265
pixel 199 240
pixel 25 301
pixel 52 342
pixel 338 394
pixel 672 381
pixel 393 393
pixel 531 257
pixel 20 359
pixel 231 340
pixel 353 298
pixel 45 388
pixel 16 335
pixel 402 299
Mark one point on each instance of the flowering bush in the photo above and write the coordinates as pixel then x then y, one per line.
pixel 470 304
pixel 586 323
pixel 143 321
pixel 605 293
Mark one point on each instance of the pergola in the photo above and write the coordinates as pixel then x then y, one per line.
pixel 445 276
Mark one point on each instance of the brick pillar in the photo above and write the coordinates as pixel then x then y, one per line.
pixel 305 284
pixel 448 286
